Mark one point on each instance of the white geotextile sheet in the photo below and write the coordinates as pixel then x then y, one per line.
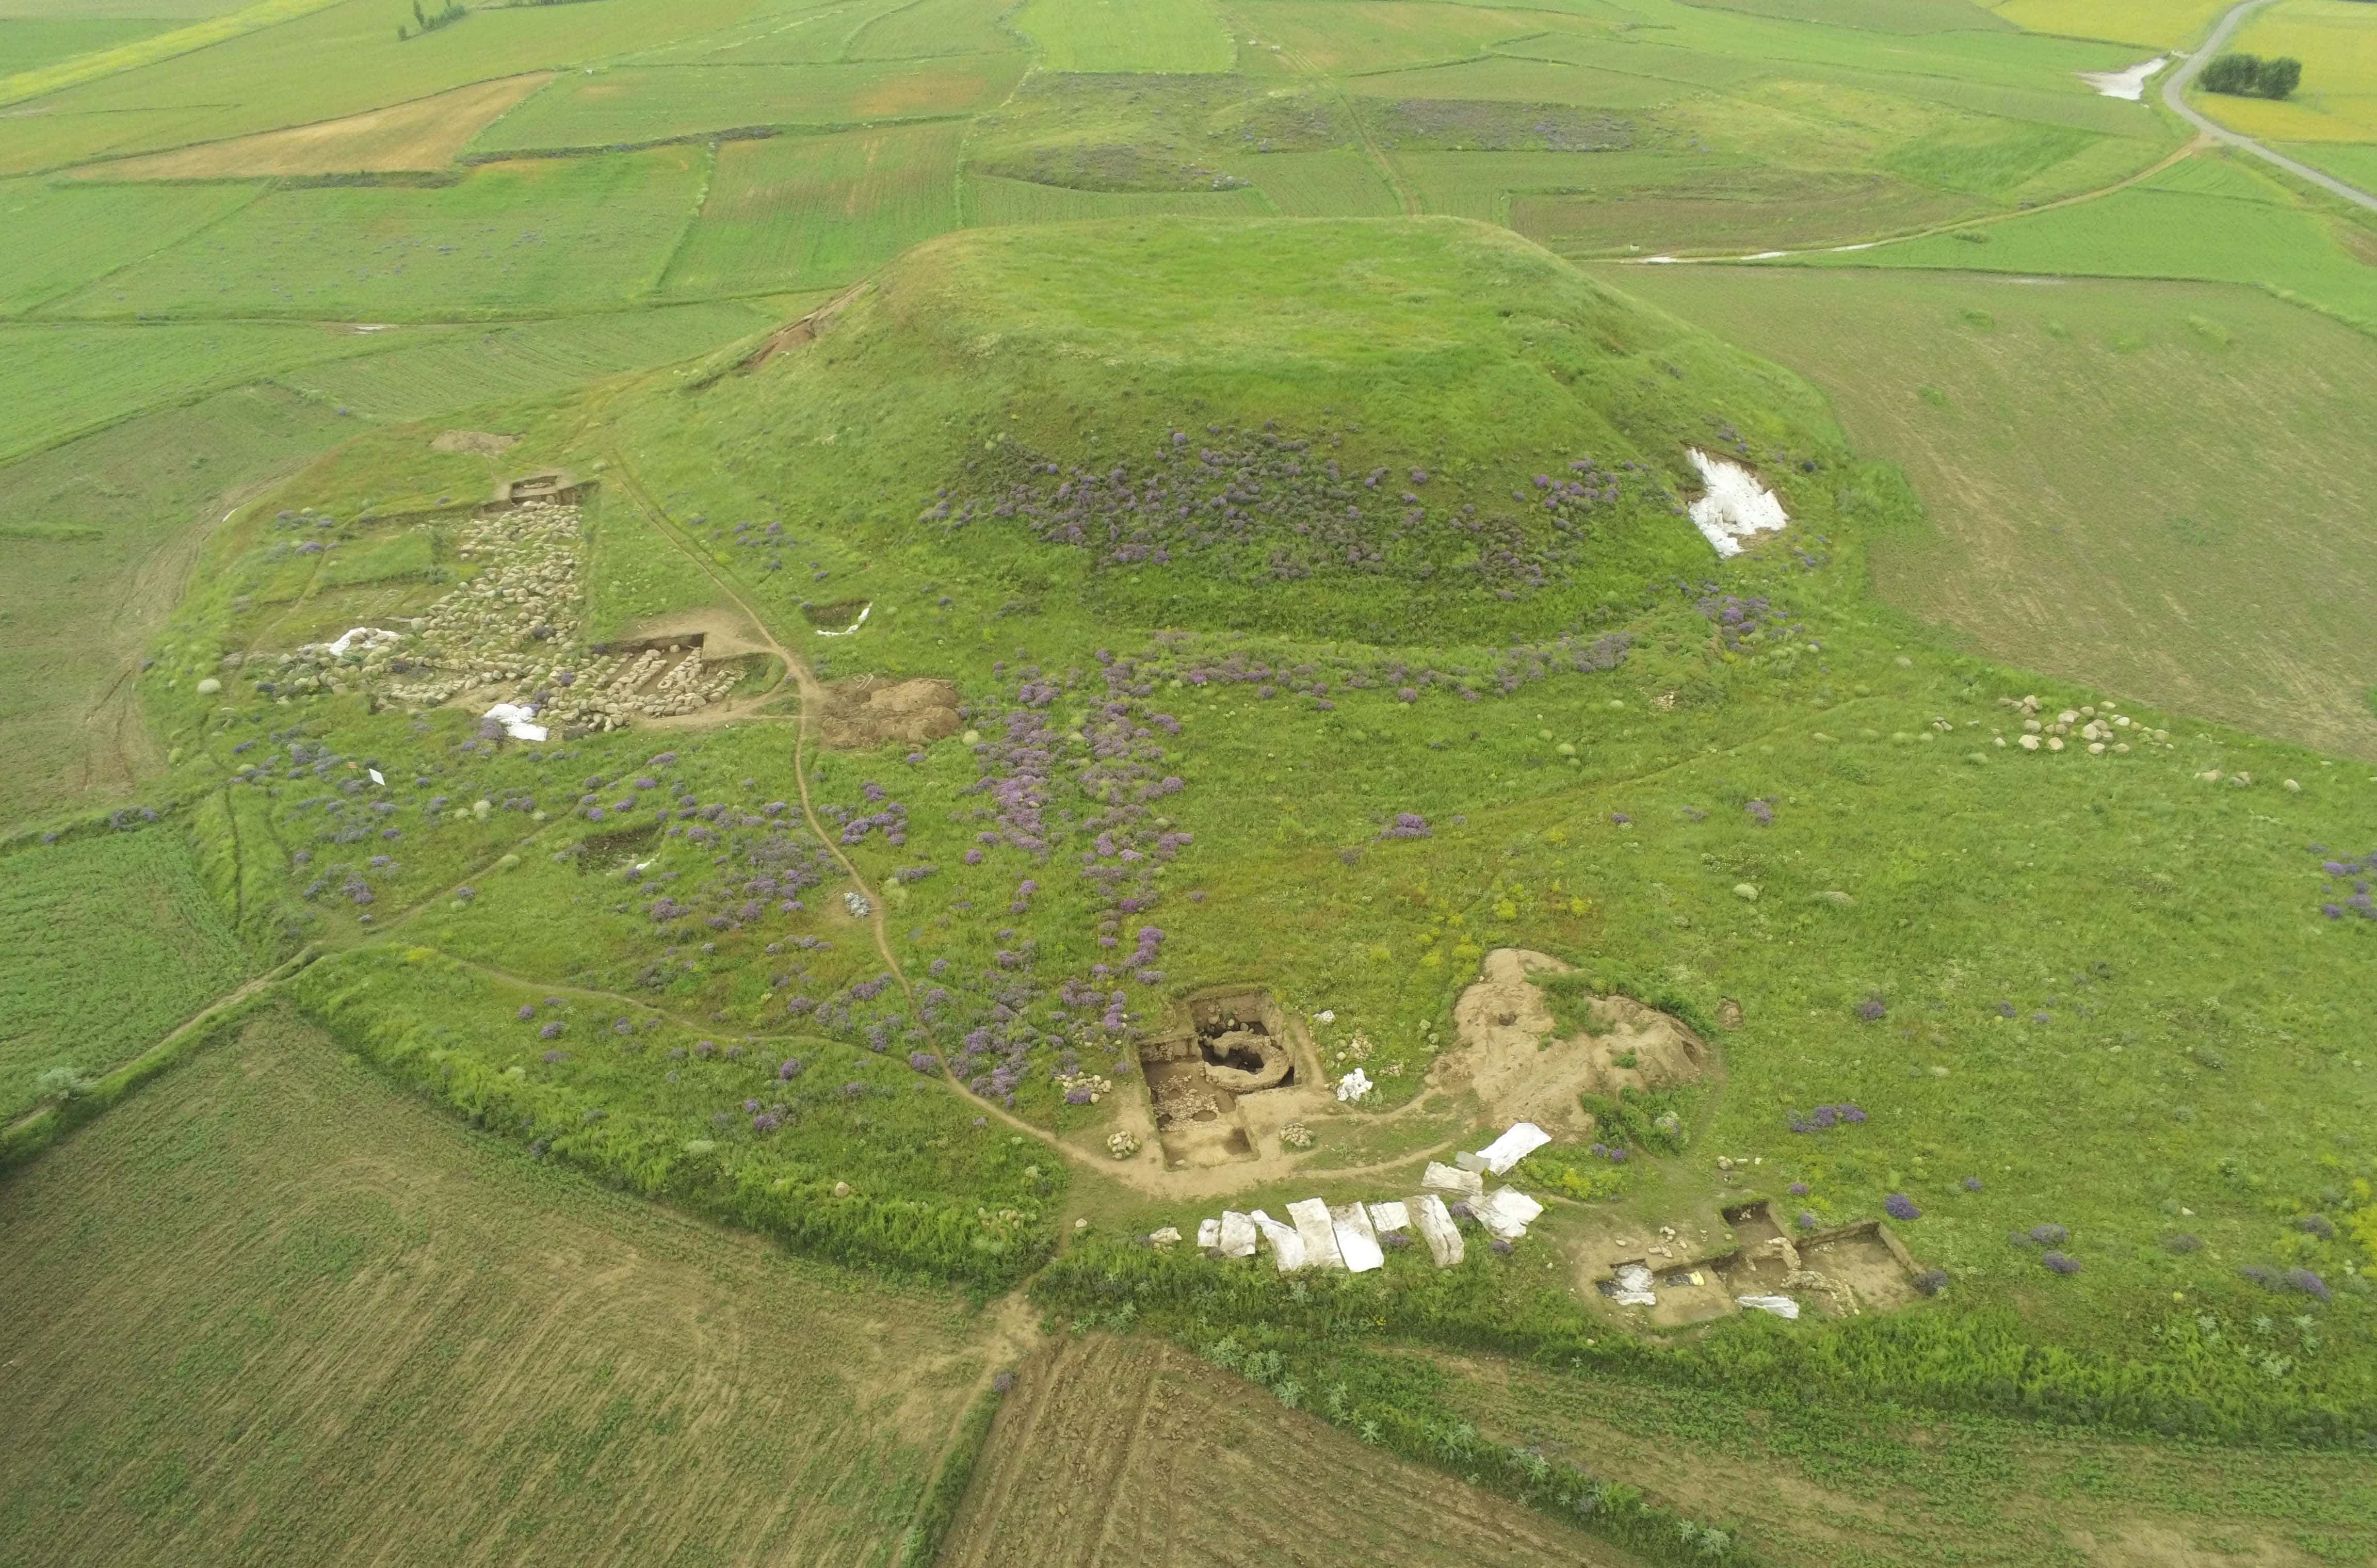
pixel 1781 1306
pixel 1390 1217
pixel 1523 1139
pixel 1505 1213
pixel 1239 1235
pixel 1209 1233
pixel 1286 1245
pixel 518 722
pixel 1446 1179
pixel 1356 1242
pixel 1633 1286
pixel 1436 1229
pixel 1319 1232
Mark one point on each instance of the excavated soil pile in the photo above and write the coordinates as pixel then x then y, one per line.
pixel 869 712
pixel 1509 1054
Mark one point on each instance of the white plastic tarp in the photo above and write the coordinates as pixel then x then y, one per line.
pixel 1736 506
pixel 1320 1233
pixel 1354 1085
pixel 1287 1244
pixel 377 777
pixel 1445 1179
pixel 1505 1213
pixel 1209 1233
pixel 1781 1306
pixel 1523 1139
pixel 1436 1229
pixel 1633 1286
pixel 1239 1235
pixel 1390 1217
pixel 519 723
pixel 1356 1242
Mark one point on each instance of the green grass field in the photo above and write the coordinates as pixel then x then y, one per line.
pixel 808 213
pixel 345 1329
pixel 510 239
pixel 28 43
pixel 2147 233
pixel 1106 35
pixel 1993 395
pixel 113 940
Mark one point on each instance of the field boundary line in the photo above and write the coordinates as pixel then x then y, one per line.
pixel 684 230
pixel 36 1130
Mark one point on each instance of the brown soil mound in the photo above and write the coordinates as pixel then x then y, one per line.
pixel 1508 1053
pixel 869 712
pixel 479 442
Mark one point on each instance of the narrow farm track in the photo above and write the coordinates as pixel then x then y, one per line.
pixel 2174 98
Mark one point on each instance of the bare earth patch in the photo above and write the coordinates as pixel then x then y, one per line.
pixel 481 443
pixel 1509 1056
pixel 427 133
pixel 868 712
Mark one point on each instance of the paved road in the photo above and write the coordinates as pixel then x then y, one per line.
pixel 2174 93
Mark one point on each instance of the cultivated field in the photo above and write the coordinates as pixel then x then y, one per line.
pixel 1114 1451
pixel 1993 394
pixel 2337 101
pixel 812 212
pixel 631 106
pixel 1106 35
pixel 344 1329
pixel 427 133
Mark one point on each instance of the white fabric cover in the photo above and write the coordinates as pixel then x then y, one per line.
pixel 1209 1233
pixel 1356 1242
pixel 1781 1306
pixel 1445 1179
pixel 1523 1139
pixel 1320 1233
pixel 1390 1217
pixel 1436 1229
pixel 1287 1244
pixel 1239 1235
pixel 1506 1213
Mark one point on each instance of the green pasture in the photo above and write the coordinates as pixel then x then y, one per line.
pixel 26 44
pixel 512 238
pixel 1110 35
pixel 64 236
pixel 800 213
pixel 2146 232
pixel 1340 183
pixel 2044 492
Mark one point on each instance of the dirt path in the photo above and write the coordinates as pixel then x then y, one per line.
pixel 812 702
pixel 2174 98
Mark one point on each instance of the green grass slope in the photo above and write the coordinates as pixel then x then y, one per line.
pixel 1440 349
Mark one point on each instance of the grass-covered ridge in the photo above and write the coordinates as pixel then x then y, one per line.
pixel 1462 436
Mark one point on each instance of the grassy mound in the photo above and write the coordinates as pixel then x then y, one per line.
pixel 1437 423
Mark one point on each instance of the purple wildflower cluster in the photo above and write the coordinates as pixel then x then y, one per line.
pixel 1258 505
pixel 1512 669
pixel 2301 1281
pixel 1824 1118
pixel 1743 622
pixel 1873 1008
pixel 1898 1205
pixel 1614 1153
pixel 2355 872
pixel 890 816
pixel 1407 824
